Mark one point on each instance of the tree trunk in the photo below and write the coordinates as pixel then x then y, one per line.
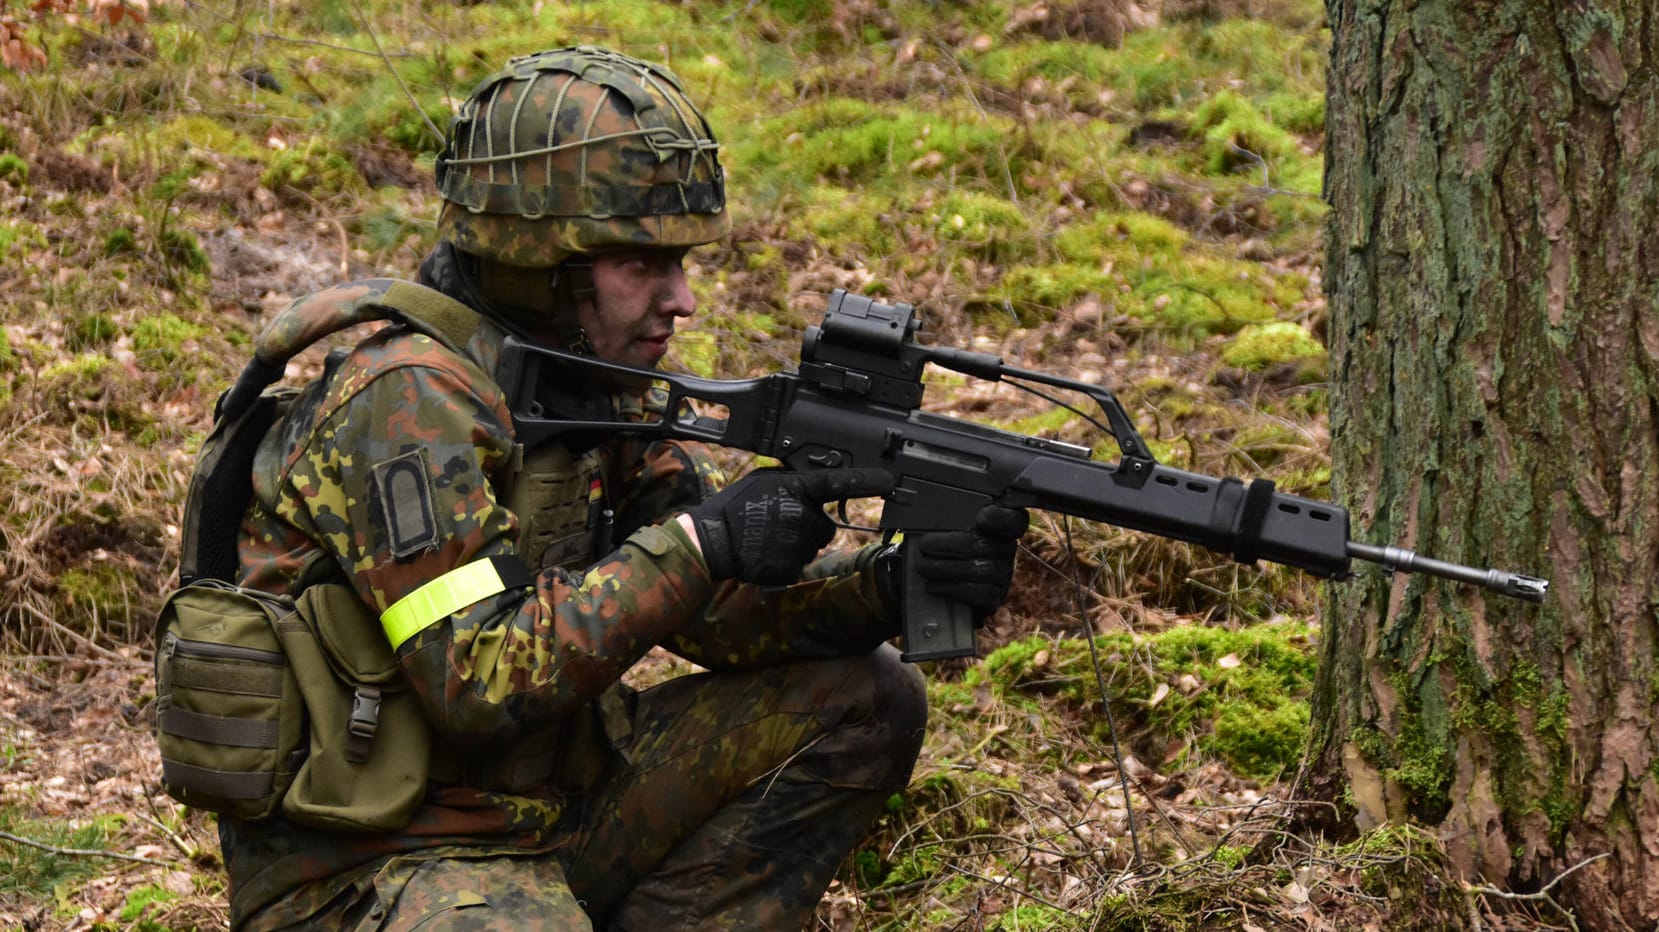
pixel 1493 274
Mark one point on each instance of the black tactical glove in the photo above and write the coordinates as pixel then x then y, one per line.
pixel 765 527
pixel 974 566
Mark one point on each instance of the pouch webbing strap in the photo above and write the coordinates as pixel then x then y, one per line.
pixel 226 784
pixel 242 679
pixel 219 729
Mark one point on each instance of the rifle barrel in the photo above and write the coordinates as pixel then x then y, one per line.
pixel 1514 585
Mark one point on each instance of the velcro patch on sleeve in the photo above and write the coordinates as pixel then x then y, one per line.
pixel 406 503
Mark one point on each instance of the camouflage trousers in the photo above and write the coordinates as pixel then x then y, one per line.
pixel 730 806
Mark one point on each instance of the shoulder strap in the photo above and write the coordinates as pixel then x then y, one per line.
pixel 222 482
pixel 331 310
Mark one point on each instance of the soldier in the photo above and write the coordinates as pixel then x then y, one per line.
pixel 518 586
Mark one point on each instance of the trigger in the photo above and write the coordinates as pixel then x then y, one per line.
pixel 841 512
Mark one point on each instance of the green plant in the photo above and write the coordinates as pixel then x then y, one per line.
pixel 13 168
pixel 27 869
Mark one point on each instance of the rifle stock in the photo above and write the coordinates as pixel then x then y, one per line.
pixel 855 401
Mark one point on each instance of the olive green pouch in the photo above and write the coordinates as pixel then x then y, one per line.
pixel 370 742
pixel 230 723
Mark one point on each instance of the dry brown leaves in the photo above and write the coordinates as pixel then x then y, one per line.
pixel 20 52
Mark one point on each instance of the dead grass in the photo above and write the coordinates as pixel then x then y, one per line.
pixel 1017 819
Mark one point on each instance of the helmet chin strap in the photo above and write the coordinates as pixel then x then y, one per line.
pixel 571 282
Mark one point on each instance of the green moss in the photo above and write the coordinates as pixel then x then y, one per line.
pixel 1247 703
pixel 848 222
pixel 1231 856
pixel 80 376
pixel 914 865
pixel 1042 289
pixel 13 168
pixel 1407 868
pixel 97 590
pixel 879 144
pixel 1047 424
pixel 138 903
pixel 1422 768
pixel 1237 137
pixel 1261 741
pixel 1123 235
pixel 91 331
pixel 697 351
pixel 989 227
pixel 313 167
pixel 390 225
pixel 183 250
pixel 159 341
pixel 186 146
pixel 8 366
pixel 801 12
pixel 198 134
pixel 1202 296
pixel 1261 346
pixel 1298 112
pixel 1165 65
pixel 375 107
pixel 120 240
pixel 18 236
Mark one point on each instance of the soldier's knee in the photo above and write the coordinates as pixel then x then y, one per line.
pixel 876 743
pixel 900 696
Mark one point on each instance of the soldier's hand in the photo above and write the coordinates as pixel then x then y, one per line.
pixel 973 566
pixel 765 527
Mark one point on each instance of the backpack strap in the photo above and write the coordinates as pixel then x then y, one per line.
pixel 222 482
pixel 317 315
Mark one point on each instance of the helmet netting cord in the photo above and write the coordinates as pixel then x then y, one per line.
pixel 588 138
pixel 489 137
pixel 665 138
pixel 512 124
pixel 553 122
pixel 650 79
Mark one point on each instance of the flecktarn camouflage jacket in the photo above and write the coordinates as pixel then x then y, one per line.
pixel 396 464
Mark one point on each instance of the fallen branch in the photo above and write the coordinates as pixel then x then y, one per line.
pixel 1542 894
pixel 83 640
pixel 83 852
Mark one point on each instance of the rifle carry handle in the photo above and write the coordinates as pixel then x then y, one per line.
pixel 935 628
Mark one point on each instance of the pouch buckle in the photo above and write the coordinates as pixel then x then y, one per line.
pixel 365 721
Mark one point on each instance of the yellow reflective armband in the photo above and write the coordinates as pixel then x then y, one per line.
pixel 451 592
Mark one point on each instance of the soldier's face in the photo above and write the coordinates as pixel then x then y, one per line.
pixel 638 295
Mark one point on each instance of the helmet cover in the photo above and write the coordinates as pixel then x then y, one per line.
pixel 574 150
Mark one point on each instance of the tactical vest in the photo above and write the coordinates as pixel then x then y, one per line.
pixel 269 702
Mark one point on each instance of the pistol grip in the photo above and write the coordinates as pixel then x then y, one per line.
pixel 935 628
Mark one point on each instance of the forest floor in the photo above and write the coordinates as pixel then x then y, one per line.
pixel 157 205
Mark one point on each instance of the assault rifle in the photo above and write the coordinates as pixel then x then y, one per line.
pixel 856 402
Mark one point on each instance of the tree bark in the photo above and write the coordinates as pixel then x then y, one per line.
pixel 1493 276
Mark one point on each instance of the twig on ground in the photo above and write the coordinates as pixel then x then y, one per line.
pixel 83 852
pixel 1542 894
pixel 172 836
pixel 82 639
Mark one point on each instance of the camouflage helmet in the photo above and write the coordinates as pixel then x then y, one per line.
pixel 571 150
